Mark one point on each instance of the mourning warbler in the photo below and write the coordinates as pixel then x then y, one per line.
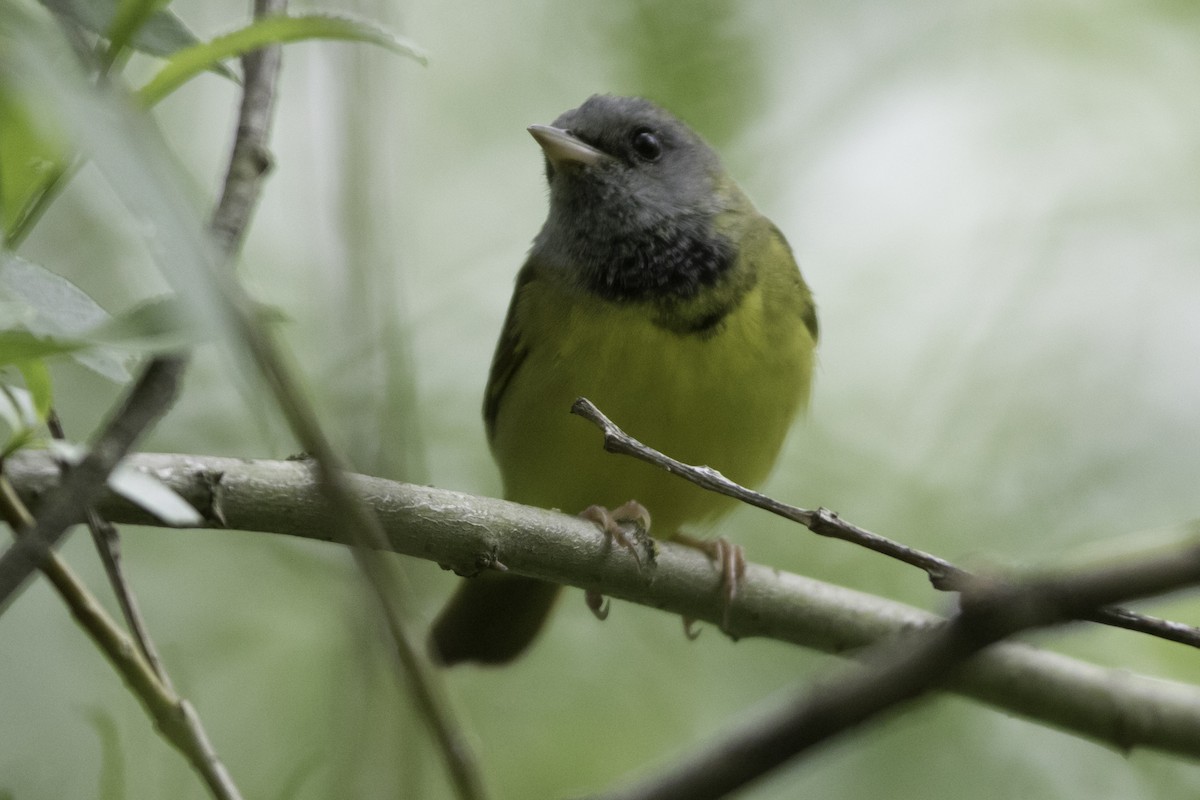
pixel 657 290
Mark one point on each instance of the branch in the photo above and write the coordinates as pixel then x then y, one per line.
pixel 469 534
pixel 107 541
pixel 172 714
pixel 943 575
pixel 250 160
pixel 903 671
pixel 150 397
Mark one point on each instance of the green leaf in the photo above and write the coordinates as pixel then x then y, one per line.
pixel 130 153
pixel 129 17
pixel 186 64
pixel 30 159
pixel 59 306
pixel 57 317
pixel 159 324
pixel 17 347
pixel 37 381
pixel 161 34
pixel 19 414
pixel 17 409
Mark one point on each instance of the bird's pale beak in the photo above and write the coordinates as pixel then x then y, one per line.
pixel 562 147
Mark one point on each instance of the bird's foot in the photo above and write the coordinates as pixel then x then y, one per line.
pixel 597 604
pixel 730 559
pixel 616 526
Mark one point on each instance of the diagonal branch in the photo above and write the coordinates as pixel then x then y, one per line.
pixel 107 541
pixel 152 395
pixel 943 575
pixel 147 401
pixel 172 714
pixel 903 671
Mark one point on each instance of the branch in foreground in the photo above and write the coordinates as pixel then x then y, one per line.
pixel 107 541
pixel 358 526
pixel 172 714
pixel 470 533
pixel 943 575
pixel 900 672
pixel 150 397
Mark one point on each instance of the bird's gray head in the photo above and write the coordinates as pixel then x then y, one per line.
pixel 633 196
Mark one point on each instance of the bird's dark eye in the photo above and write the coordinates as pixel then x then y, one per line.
pixel 646 144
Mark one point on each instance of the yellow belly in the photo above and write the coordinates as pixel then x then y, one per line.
pixel 725 401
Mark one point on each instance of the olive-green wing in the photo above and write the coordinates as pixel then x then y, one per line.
pixel 511 350
pixel 808 309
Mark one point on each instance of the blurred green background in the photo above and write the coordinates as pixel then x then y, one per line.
pixel 997 205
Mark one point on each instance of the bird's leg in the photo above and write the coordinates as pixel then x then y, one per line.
pixel 728 557
pixel 613 525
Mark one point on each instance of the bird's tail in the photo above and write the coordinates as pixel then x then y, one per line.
pixel 491 619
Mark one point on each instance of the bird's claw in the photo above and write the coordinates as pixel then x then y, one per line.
pixel 597 604
pixel 730 559
pixel 613 525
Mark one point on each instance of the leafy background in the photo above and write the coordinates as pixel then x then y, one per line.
pixel 996 204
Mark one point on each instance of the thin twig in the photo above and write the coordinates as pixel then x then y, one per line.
pixel 943 575
pixel 150 397
pixel 107 540
pixel 900 672
pixel 250 159
pixel 153 393
pixel 173 715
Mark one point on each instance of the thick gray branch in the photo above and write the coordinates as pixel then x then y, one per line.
pixel 470 533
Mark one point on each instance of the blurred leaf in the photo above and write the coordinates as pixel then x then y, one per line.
pixel 59 306
pixel 30 160
pixel 70 452
pixel 17 408
pixel 153 496
pixel 19 346
pixel 158 324
pixel 19 415
pixel 137 487
pixel 130 153
pixel 128 18
pixel 160 34
pixel 57 315
pixel 37 381
pixel 188 63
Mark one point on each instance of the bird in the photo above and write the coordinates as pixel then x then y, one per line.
pixel 657 290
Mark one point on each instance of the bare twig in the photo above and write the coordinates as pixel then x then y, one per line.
pixel 150 397
pixel 943 575
pixel 153 393
pixel 108 544
pixel 467 533
pixel 902 671
pixel 173 715
pixel 250 160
